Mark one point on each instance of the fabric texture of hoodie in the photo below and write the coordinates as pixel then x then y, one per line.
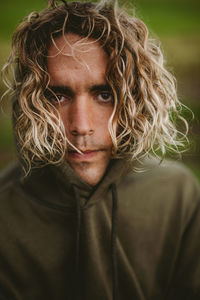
pixel 136 235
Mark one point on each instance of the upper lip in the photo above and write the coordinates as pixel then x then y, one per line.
pixel 83 151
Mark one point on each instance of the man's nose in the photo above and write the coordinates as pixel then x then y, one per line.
pixel 82 117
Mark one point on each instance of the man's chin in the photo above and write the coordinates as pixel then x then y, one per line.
pixel 89 172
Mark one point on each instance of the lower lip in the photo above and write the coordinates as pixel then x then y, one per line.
pixel 85 156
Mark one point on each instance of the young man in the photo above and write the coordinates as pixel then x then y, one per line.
pixel 85 214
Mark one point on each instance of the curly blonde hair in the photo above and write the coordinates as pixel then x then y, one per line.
pixel 145 99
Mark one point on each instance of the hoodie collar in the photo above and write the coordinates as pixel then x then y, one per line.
pixel 91 194
pixel 54 184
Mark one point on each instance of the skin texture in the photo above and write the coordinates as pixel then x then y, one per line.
pixel 84 101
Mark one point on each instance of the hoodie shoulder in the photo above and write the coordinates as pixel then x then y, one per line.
pixel 166 183
pixel 168 171
pixel 176 174
pixel 9 176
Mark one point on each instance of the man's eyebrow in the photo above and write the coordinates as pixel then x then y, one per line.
pixel 65 90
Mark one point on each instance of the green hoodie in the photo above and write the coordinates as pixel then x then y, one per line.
pixel 134 236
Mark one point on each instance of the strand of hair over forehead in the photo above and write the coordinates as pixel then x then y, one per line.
pixel 54 3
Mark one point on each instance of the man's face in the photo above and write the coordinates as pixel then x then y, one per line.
pixel 85 103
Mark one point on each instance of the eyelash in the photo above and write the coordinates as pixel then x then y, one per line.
pixel 54 98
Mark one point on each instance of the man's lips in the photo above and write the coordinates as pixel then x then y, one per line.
pixel 83 151
pixel 86 155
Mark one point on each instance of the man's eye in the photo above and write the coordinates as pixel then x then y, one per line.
pixel 105 97
pixel 59 98
pixel 56 99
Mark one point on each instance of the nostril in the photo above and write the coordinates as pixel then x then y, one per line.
pixel 79 132
pixel 90 132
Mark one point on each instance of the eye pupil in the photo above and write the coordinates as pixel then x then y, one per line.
pixel 59 97
pixel 105 96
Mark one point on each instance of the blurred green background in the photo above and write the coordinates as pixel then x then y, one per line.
pixel 175 22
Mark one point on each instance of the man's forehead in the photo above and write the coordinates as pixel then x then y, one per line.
pixel 73 59
pixel 72 44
